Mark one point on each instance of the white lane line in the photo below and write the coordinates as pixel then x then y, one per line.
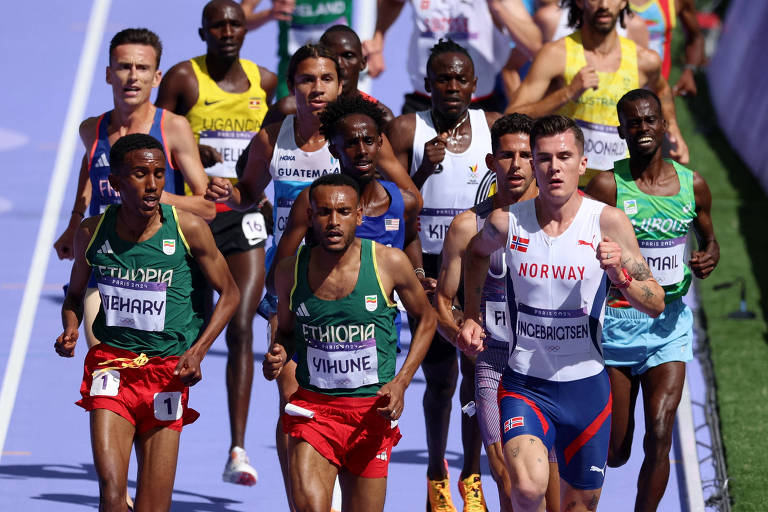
pixel 58 185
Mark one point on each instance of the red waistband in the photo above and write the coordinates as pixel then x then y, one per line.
pixel 336 401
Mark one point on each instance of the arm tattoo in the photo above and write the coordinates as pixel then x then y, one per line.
pixel 491 230
pixel 647 293
pixel 515 451
pixel 639 270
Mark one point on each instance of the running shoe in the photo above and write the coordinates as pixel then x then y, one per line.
pixel 439 495
pixel 471 490
pixel 238 469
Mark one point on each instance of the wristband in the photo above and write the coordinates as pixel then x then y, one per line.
pixel 627 280
pixel 692 67
pixel 81 214
pixel 420 273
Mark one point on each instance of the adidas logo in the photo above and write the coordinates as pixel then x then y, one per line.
pixel 105 248
pixel 382 456
pixel 102 161
pixel 302 310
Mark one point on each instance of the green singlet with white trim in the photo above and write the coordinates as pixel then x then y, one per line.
pixel 344 347
pixel 661 226
pixel 151 292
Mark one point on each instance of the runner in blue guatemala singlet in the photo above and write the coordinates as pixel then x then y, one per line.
pixel 561 252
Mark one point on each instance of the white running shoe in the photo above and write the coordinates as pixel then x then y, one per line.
pixel 238 469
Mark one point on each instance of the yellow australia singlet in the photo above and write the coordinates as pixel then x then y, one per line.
pixel 224 120
pixel 595 110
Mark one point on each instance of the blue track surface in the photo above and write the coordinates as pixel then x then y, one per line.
pixel 46 461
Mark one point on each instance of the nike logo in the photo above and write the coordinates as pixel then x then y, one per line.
pixel 208 102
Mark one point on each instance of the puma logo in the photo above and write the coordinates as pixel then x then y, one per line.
pixel 595 468
pixel 590 244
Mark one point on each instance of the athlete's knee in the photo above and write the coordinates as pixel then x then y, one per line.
pixel 111 496
pixel 658 438
pixel 441 381
pixel 528 493
pixel 240 333
pixel 617 457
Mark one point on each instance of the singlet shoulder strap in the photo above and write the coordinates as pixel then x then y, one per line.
pixel 107 211
pixel 299 269
pixel 369 247
pixel 101 131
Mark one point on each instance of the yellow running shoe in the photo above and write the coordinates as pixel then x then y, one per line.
pixel 471 490
pixel 439 495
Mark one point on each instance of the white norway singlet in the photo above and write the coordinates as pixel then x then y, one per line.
pixel 469 24
pixel 556 294
pixel 460 181
pixel 293 170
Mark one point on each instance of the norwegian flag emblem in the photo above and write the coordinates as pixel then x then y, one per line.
pixel 515 422
pixel 519 244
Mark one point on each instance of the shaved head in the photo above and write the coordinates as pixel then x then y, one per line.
pixel 216 4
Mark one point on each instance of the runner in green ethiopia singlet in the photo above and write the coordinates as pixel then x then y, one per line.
pixel 661 226
pixel 344 347
pixel 150 291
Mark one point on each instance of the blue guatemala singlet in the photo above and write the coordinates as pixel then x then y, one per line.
pixel 389 228
pixel 103 194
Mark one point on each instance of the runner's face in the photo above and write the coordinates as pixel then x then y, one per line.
pixel 357 145
pixel 224 30
pixel 335 213
pixel 315 85
pixel 350 56
pixel 558 163
pixel 140 181
pixel 642 125
pixel 602 15
pixel 451 82
pixel 133 73
pixel 512 163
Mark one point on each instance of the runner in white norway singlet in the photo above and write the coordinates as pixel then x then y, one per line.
pixel 292 171
pixel 556 294
pixel 460 181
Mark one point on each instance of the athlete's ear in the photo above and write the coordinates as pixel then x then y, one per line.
pixel 474 85
pixel 583 165
pixel 359 212
pixel 363 62
pixel 106 75
pixel 620 129
pixel 426 85
pixel 158 77
pixel 201 33
pixel 332 149
pixel 114 180
pixel 490 161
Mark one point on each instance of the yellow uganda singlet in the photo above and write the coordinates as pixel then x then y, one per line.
pixel 224 120
pixel 595 110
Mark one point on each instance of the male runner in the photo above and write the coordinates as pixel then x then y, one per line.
pixel 583 75
pixel 225 99
pixel 662 199
pixel 336 312
pixel 345 43
pixel 561 250
pixel 511 162
pixel 445 148
pixel 133 71
pixel 661 18
pixel 151 263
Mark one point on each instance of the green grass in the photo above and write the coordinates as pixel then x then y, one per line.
pixel 739 347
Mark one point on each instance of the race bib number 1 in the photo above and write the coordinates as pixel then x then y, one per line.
pixel 105 383
pixel 168 405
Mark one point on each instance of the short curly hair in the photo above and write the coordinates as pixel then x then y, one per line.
pixel 575 13
pixel 447 46
pixel 334 112
pixel 511 123
pixel 310 51
pixel 128 143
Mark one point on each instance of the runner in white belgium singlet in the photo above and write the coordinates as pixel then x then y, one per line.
pixel 460 181
pixel 556 293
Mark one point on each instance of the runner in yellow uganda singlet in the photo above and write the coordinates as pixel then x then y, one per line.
pixel 595 110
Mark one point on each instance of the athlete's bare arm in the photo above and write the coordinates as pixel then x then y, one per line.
pixel 704 260
pixel 178 91
pixel 280 10
pixel 392 168
pixel 396 274
pixel 603 188
pixel 296 226
pixel 637 30
pixel 65 243
pixel 256 175
pixel 618 250
pixel 387 12
pixel 649 64
pixel 186 157
pixel 492 237
pixel 514 16
pixel 280 109
pixel 72 309
pixel 216 271
pixel 462 229
pixel 694 48
pixel 400 132
pixel 268 83
pixel 282 348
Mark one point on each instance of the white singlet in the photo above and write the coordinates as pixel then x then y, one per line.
pixel 469 24
pixel 556 294
pixel 293 170
pixel 493 303
pixel 460 181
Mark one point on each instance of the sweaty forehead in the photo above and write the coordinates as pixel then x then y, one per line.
pixel 355 123
pixel 341 41
pixel 222 9
pixel 315 66
pixel 641 107
pixel 556 143
pixel 453 63
pixel 334 196
pixel 143 156
pixel 134 52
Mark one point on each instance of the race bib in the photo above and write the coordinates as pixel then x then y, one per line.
pixel 665 259
pixel 134 304
pixel 602 145
pixel 433 225
pixel 168 406
pixel 254 228
pixel 229 144
pixel 497 320
pixel 559 331
pixel 105 383
pixel 282 210
pixel 342 365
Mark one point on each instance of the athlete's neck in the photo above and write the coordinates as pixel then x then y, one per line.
pixel 505 197
pixel 132 119
pixel 452 126
pixel 306 130
pixel 599 42
pixel 223 69
pixel 135 227
pixel 647 167
pixel 554 217
pixel 326 261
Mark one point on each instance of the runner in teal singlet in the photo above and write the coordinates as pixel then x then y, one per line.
pixel 662 199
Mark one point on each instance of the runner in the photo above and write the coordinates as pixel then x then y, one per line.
pixel 225 99
pixel 151 262
pixel 583 76
pixel 343 41
pixel 133 71
pixel 445 148
pixel 561 249
pixel 662 199
pixel 336 312
pixel 511 162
